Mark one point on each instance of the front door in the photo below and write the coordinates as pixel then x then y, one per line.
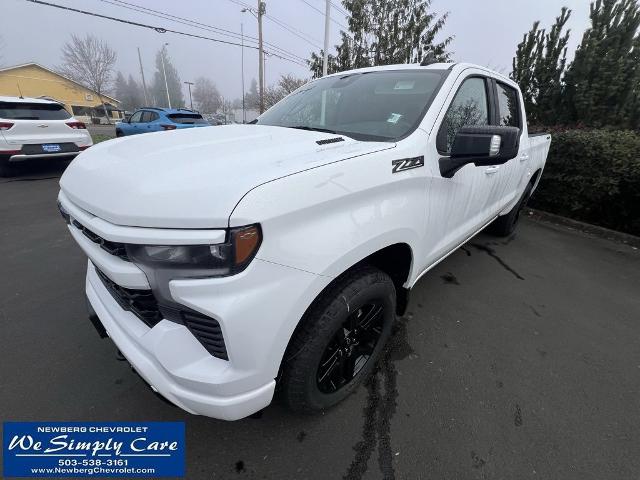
pixel 457 206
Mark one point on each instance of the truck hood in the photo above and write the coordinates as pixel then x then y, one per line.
pixel 193 178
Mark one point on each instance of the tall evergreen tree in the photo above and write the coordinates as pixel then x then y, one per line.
pixel 602 82
pixel 128 92
pixel 385 32
pixel 158 89
pixel 538 67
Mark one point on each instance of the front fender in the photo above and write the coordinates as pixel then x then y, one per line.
pixel 327 219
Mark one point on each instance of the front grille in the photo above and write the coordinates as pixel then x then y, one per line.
pixel 114 248
pixel 142 303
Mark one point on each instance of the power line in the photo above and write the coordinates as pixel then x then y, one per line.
pixel 158 29
pixel 293 31
pixel 196 24
pixel 322 13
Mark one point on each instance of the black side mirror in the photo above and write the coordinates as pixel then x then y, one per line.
pixel 482 146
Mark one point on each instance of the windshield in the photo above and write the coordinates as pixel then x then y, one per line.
pixel 33 111
pixel 377 106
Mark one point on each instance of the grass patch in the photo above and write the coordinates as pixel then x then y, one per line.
pixel 98 137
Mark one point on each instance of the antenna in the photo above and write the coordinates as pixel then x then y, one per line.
pixel 20 91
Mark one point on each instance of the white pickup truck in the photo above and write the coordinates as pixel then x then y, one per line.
pixel 232 263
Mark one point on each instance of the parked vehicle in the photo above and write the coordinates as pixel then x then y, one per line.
pixel 151 119
pixel 225 262
pixel 37 128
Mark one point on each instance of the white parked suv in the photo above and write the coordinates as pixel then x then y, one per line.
pixel 37 128
pixel 231 263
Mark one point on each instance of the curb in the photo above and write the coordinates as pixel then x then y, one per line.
pixel 594 230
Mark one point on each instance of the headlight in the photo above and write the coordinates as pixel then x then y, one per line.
pixel 202 260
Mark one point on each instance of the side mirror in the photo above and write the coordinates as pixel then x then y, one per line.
pixel 482 146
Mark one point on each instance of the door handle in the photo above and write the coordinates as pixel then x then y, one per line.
pixel 524 157
pixel 491 170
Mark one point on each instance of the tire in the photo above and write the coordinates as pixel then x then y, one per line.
pixel 339 313
pixel 506 224
pixel 6 168
pixel 119 133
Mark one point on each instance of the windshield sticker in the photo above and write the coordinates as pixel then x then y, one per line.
pixel 394 117
pixel 404 85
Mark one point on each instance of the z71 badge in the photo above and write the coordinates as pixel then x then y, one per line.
pixel 406 164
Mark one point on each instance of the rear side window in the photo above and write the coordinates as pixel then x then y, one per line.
pixel 32 111
pixel 508 114
pixel 469 108
pixel 149 116
pixel 186 118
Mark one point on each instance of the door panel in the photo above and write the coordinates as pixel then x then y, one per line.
pixel 508 113
pixel 457 206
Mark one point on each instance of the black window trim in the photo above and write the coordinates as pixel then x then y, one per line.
pixel 497 105
pixel 491 103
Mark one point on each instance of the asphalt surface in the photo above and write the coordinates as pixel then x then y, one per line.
pixel 520 358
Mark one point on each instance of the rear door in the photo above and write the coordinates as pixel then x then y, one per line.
pixel 36 123
pixel 151 120
pixel 508 112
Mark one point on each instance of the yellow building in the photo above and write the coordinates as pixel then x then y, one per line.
pixel 33 80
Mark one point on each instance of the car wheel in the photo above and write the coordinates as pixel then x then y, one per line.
pixel 119 133
pixel 338 341
pixel 7 169
pixel 506 224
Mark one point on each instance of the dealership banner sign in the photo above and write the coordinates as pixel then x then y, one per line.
pixel 79 449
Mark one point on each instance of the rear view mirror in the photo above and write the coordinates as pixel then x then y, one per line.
pixel 482 146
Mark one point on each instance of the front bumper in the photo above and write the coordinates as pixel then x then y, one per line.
pixel 256 321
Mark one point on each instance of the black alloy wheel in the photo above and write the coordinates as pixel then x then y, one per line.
pixel 350 348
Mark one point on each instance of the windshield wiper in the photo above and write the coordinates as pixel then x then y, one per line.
pixel 315 129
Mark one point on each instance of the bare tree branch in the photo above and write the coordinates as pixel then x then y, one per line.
pixel 89 61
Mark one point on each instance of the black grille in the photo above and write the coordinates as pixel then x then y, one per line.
pixel 37 149
pixel 114 248
pixel 208 332
pixel 141 303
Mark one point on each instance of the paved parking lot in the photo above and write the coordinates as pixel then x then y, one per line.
pixel 520 358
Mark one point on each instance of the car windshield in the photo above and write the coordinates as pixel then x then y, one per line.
pixel 187 118
pixel 374 106
pixel 33 111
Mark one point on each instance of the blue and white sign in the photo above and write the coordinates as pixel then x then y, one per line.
pixel 78 449
pixel 51 147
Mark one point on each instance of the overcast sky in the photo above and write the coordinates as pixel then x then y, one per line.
pixel 486 32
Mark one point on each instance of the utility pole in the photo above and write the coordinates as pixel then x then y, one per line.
pixel 325 56
pixel 190 100
pixel 244 116
pixel 144 84
pixel 262 8
pixel 164 72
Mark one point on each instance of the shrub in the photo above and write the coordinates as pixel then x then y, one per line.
pixel 593 176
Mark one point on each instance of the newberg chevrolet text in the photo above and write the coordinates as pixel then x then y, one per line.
pixel 231 263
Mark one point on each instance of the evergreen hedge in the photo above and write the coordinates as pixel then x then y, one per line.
pixel 593 176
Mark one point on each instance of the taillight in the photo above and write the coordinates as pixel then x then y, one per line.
pixel 5 125
pixel 168 127
pixel 77 125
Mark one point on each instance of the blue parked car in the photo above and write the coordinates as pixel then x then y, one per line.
pixel 151 119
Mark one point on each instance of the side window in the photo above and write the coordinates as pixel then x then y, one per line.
pixel 469 108
pixel 146 117
pixel 153 116
pixel 508 114
pixel 135 118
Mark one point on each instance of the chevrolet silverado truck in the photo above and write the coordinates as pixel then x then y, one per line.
pixel 232 264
